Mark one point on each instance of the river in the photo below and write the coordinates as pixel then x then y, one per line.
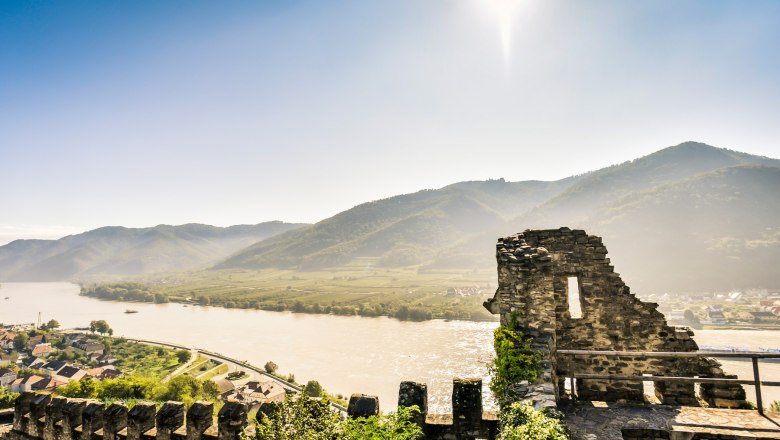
pixel 346 354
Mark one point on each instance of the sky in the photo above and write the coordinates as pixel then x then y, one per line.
pixel 138 113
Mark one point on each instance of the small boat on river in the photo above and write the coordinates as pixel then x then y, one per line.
pixel 131 311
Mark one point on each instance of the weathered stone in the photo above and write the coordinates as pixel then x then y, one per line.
pixel 361 405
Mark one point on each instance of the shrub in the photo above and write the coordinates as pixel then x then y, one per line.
pixel 522 422
pixel 306 418
pixel 515 362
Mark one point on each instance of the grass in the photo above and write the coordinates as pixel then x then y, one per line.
pixel 221 369
pixel 147 360
pixel 359 288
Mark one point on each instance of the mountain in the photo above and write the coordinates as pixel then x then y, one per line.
pixel 709 212
pixel 404 230
pixel 119 251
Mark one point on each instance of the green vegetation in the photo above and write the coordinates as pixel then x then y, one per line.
pixel 100 326
pixel 313 389
pixel 221 369
pixel 306 418
pixel 270 367
pixel 144 360
pixel 522 422
pixel 515 362
pixel 7 399
pixel 20 341
pixel 201 365
pixel 51 325
pixel 181 388
pixel 359 289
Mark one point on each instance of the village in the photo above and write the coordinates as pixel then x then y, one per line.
pixel 45 359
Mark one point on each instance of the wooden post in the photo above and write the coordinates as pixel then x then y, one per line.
pixel 757 379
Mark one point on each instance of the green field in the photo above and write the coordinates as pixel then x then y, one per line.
pixel 357 289
pixel 146 360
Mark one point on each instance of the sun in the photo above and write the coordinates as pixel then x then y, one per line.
pixel 505 12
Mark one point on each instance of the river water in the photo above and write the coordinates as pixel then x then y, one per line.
pixel 346 354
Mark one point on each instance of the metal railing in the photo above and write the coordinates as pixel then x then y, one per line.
pixel 754 356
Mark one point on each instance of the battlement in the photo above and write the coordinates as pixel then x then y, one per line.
pixel 46 417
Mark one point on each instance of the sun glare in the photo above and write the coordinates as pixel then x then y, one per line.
pixel 505 12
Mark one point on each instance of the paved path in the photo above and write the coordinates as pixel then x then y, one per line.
pixel 600 420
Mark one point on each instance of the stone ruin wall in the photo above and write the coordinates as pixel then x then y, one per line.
pixel 42 416
pixel 533 272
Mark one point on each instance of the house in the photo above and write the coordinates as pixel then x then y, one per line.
pixel 677 315
pixel 47 384
pixel 7 340
pixel 95 372
pixel 110 373
pixel 24 384
pixel 105 359
pixel 43 349
pixel 763 316
pixel 88 347
pixel 69 373
pixel 716 317
pixel 51 368
pixel 7 376
pixel 35 340
pixel 34 362
pixel 254 393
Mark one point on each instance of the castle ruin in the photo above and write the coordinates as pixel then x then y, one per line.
pixel 563 291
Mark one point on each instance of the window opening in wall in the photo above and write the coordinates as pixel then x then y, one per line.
pixel 575 305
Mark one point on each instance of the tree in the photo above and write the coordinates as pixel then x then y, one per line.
pixel 160 298
pixel 313 389
pixel 210 390
pixel 101 327
pixel 183 356
pixel 51 325
pixel 20 341
pixel 271 367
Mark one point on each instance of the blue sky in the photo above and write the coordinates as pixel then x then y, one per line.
pixel 147 112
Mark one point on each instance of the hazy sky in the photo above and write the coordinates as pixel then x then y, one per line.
pixel 137 113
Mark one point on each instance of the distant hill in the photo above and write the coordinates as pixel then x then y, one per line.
pixel 118 251
pixel 688 217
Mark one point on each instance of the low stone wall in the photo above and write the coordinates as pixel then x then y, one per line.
pixel 47 417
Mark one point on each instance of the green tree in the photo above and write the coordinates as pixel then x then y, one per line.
pixel 160 298
pixel 21 340
pixel 100 326
pixel 51 325
pixel 210 390
pixel 313 389
pixel 271 367
pixel 396 426
pixel 183 356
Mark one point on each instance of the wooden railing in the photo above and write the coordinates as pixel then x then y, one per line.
pixel 753 355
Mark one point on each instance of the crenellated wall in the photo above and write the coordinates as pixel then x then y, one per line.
pixel 533 272
pixel 46 417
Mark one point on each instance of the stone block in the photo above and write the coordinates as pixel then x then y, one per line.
pixel 231 421
pixel 362 405
pixel 200 417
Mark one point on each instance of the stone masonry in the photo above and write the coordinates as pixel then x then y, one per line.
pixel 534 268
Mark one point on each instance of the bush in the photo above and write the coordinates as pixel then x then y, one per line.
pixel 271 367
pixel 7 399
pixel 183 356
pixel 522 422
pixel 313 389
pixel 514 363
pixel 306 418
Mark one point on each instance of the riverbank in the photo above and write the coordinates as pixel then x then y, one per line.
pixel 404 294
pixel 346 354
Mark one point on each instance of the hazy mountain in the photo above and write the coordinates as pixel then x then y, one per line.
pixel 403 230
pixel 114 250
pixel 687 217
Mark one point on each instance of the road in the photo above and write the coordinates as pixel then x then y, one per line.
pixel 233 365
